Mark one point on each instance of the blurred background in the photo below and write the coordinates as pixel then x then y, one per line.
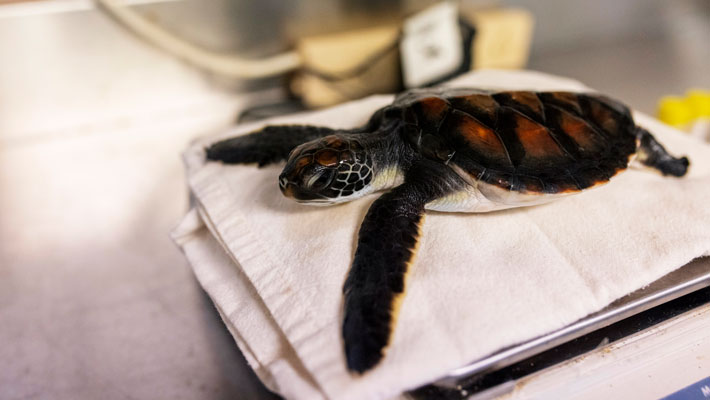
pixel 95 109
pixel 71 62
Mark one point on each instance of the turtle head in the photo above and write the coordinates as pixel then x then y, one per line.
pixel 330 170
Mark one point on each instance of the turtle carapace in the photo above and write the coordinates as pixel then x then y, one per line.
pixel 461 150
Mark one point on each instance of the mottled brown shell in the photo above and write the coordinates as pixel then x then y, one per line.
pixel 535 142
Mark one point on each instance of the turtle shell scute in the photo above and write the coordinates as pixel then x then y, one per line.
pixel 534 142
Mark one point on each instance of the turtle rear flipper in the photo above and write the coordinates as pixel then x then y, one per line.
pixel 269 145
pixel 654 155
pixel 386 248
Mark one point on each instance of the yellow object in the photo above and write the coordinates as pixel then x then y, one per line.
pixel 699 101
pixel 683 111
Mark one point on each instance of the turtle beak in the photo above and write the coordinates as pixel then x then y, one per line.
pixel 286 186
pixel 293 191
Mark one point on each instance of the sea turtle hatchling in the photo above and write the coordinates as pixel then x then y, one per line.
pixel 459 150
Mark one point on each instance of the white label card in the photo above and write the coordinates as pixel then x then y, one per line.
pixel 431 46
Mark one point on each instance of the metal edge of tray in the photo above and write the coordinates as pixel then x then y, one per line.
pixel 685 280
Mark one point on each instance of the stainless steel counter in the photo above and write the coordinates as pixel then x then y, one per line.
pixel 95 299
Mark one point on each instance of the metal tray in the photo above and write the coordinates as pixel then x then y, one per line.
pixel 685 280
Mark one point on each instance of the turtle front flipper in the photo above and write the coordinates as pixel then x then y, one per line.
pixel 387 243
pixel 269 145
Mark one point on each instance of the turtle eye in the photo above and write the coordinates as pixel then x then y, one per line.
pixel 320 179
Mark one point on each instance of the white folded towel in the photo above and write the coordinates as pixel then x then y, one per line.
pixel 480 282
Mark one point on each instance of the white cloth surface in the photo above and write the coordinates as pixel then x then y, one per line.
pixel 480 282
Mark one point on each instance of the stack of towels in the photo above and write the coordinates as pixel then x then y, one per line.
pixel 480 282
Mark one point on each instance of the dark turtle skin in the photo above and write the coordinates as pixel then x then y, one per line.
pixel 434 149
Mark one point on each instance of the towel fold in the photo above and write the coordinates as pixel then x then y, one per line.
pixel 480 282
